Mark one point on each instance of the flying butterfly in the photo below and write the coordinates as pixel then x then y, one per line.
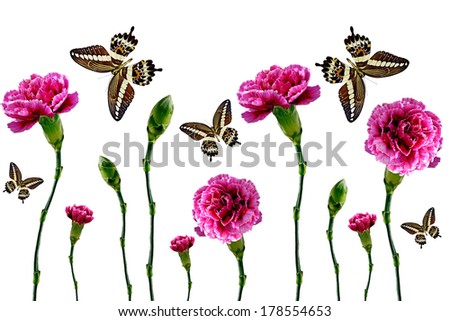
pixel 120 90
pixel 352 93
pixel 23 186
pixel 427 227
pixel 209 135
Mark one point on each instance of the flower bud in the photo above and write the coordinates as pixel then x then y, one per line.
pixel 366 240
pixel 109 172
pixel 289 122
pixel 391 181
pixel 159 119
pixel 338 195
pixel 362 223
pixel 182 244
pixel 53 130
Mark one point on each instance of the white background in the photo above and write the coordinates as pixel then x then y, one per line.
pixel 207 49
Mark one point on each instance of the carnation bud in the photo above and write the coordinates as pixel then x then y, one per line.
pixel 109 172
pixel 159 119
pixel 289 122
pixel 53 130
pixel 391 181
pixel 338 195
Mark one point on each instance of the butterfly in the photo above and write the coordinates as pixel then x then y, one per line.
pixel 23 186
pixel 427 227
pixel 199 131
pixel 120 91
pixel 352 93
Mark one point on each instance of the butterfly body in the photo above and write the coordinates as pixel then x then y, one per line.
pixel 23 186
pixel 427 227
pixel 352 92
pixel 120 91
pixel 210 135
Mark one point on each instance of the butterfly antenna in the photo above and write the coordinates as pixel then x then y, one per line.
pixel 351 30
pixel 131 31
pixel 319 65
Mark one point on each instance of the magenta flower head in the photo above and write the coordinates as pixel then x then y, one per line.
pixel 38 96
pixel 80 214
pixel 404 136
pixel 182 244
pixel 362 223
pixel 277 86
pixel 226 208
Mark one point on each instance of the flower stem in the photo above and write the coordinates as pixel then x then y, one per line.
pixel 301 171
pixel 395 255
pixel 123 209
pixel 336 264
pixel 366 291
pixel 152 212
pixel 242 277
pixel 189 284
pixel 37 272
pixel 75 283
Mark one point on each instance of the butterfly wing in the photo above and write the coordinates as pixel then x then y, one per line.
pixel 14 173
pixel 428 219
pixel 384 64
pixel 141 73
pixel 359 48
pixel 120 95
pixel 222 116
pixel 95 58
pixel 352 95
pixel 412 228
pixel 32 182
pixel 198 131
pixel 123 44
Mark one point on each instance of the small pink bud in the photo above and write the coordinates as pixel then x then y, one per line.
pixel 181 244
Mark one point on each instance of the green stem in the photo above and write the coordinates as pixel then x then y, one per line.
pixel 152 212
pixel 37 272
pixel 189 285
pixel 301 171
pixel 123 209
pixel 366 291
pixel 75 283
pixel 336 264
pixel 242 277
pixel 395 255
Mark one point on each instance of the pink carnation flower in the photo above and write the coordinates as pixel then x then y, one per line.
pixel 80 214
pixel 181 244
pixel 226 208
pixel 276 87
pixel 404 136
pixel 38 96
pixel 362 222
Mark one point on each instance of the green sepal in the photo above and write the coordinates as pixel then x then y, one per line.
pixel 109 172
pixel 53 130
pixel 289 122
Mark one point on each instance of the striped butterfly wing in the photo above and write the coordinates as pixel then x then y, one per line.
pixel 120 91
pixel 95 58
pixel 199 131
pixel 428 219
pixel 16 178
pixel 27 184
pixel 383 64
pixel 222 118
pixel 352 92
pixel 417 230
pixel 123 44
